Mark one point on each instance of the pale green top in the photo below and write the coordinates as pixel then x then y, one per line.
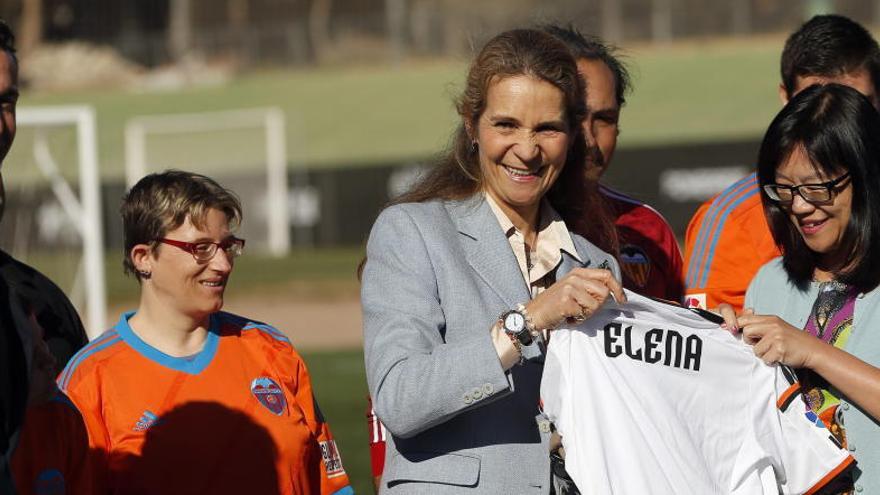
pixel 771 293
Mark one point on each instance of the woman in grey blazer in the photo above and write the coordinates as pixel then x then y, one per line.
pixel 467 272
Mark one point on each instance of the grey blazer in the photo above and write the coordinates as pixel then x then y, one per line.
pixel 438 275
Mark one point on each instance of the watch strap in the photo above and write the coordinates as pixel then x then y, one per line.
pixel 517 344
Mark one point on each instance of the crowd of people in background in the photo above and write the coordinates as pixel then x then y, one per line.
pixel 509 236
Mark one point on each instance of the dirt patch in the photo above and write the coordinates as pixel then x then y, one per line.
pixel 311 325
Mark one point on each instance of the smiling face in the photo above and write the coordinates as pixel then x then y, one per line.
pixel 8 101
pixel 179 282
pixel 822 226
pixel 522 139
pixel 603 114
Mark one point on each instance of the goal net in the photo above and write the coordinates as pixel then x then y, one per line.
pixel 245 150
pixel 53 216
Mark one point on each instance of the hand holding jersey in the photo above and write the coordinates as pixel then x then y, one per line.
pixel 576 296
pixel 775 341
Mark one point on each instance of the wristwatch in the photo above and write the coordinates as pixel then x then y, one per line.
pixel 515 324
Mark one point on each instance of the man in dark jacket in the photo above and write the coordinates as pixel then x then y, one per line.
pixel 26 296
pixel 64 332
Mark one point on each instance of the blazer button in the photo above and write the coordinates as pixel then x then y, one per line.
pixel 544 426
pixel 845 406
pixel 468 399
pixel 488 389
pixel 851 447
pixel 477 393
pixel 859 488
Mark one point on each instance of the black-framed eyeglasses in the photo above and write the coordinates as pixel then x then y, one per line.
pixel 819 193
pixel 205 250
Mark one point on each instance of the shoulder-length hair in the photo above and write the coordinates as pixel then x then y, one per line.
pixel 839 131
pixel 457 173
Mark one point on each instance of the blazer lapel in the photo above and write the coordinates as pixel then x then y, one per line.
pixel 569 262
pixel 487 249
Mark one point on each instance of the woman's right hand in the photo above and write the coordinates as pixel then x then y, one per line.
pixel 577 295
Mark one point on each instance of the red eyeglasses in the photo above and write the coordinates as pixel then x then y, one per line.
pixel 205 250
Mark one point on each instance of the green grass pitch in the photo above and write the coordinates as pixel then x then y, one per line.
pixel 341 390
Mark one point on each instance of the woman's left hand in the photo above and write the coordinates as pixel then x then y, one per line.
pixel 729 314
pixel 775 341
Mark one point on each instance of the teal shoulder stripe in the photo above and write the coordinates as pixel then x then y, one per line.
pixel 269 330
pixel 106 340
pixel 712 222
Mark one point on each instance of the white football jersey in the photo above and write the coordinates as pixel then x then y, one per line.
pixel 653 399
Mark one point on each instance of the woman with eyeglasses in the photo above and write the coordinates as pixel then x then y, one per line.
pixel 180 397
pixel 817 307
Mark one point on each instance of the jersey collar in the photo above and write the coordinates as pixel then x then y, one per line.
pixel 190 364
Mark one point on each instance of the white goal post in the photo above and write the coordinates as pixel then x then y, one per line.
pixel 271 119
pixel 83 210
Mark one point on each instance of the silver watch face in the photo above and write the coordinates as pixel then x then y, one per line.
pixel 514 322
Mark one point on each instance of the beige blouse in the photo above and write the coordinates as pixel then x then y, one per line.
pixel 536 263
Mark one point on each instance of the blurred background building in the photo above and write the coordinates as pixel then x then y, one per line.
pixel 156 32
pixel 366 86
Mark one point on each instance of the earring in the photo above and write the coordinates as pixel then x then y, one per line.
pixel 474 146
pixel 144 273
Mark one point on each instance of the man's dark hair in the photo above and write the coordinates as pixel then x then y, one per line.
pixel 7 39
pixel 829 46
pixel 839 131
pixel 584 46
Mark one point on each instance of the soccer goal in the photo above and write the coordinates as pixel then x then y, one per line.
pixel 245 149
pixel 53 218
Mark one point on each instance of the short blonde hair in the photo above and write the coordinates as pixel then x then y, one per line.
pixel 164 201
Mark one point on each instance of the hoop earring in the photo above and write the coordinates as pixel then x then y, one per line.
pixel 144 274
